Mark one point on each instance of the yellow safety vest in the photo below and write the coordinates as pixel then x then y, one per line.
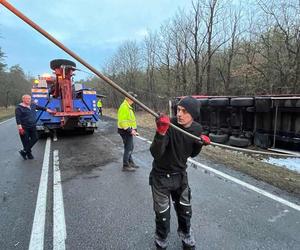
pixel 126 117
pixel 99 104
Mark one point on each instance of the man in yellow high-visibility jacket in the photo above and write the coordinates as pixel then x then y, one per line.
pixel 99 106
pixel 127 129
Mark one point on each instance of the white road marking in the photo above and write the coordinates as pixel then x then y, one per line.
pixel 242 183
pixel 38 226
pixel 7 120
pixel 59 223
pixel 144 139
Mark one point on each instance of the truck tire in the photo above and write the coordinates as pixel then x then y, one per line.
pixel 54 64
pixel 250 109
pixel 218 102
pixel 239 142
pixel 292 103
pixel 89 131
pixel 218 138
pixel 242 101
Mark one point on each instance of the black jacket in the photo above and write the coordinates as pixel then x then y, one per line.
pixel 27 116
pixel 171 151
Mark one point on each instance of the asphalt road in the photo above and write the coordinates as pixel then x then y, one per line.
pixel 105 208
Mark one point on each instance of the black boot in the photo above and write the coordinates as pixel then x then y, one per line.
pixel 188 240
pixel 23 154
pixel 158 247
pixel 132 164
pixel 30 156
pixel 187 247
pixel 128 168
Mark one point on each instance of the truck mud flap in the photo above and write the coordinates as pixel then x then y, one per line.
pixel 262 140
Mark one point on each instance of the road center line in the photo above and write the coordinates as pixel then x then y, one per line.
pixel 242 183
pixel 38 226
pixel 59 223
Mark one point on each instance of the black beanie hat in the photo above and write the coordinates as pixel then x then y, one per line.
pixel 191 105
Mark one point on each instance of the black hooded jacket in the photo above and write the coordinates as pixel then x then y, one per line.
pixel 171 151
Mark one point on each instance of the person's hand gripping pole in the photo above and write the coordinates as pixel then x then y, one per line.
pixel 162 124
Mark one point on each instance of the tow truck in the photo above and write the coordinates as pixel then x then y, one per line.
pixel 74 104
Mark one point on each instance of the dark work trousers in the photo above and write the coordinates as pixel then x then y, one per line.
pixel 29 138
pixel 165 187
pixel 100 111
pixel 128 148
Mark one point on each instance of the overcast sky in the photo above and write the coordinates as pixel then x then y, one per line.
pixel 92 29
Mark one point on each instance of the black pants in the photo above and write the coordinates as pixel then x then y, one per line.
pixel 29 139
pixel 165 187
pixel 100 111
pixel 128 148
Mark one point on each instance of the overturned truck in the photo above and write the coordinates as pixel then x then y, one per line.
pixel 263 121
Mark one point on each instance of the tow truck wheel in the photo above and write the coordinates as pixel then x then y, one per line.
pixel 54 64
pixel 89 131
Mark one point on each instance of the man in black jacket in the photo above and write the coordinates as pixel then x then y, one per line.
pixel 168 178
pixel 26 123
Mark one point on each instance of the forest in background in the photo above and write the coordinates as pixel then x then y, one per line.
pixel 217 47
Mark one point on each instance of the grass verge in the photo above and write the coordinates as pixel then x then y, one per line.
pixel 6 113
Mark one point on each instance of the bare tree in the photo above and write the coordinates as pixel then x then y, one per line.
pixel 230 50
pixel 128 60
pixel 196 43
pixel 150 57
pixel 285 43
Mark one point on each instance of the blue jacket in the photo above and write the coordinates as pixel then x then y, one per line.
pixel 27 116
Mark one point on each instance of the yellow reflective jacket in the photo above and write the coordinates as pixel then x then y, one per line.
pixel 126 117
pixel 99 104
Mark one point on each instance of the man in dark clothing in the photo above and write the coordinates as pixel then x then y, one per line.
pixel 168 178
pixel 26 123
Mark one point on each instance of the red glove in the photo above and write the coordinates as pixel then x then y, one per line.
pixel 21 131
pixel 205 139
pixel 162 124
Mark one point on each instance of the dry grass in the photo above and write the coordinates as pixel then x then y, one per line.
pixel 6 112
pixel 143 118
pixel 251 165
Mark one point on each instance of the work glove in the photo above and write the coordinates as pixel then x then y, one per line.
pixel 21 131
pixel 205 140
pixel 162 124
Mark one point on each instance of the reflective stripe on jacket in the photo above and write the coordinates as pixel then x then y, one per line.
pixel 126 117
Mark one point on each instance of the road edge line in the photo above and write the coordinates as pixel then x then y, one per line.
pixel 242 183
pixel 6 120
pixel 246 185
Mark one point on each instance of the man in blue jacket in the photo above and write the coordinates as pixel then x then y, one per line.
pixel 26 123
